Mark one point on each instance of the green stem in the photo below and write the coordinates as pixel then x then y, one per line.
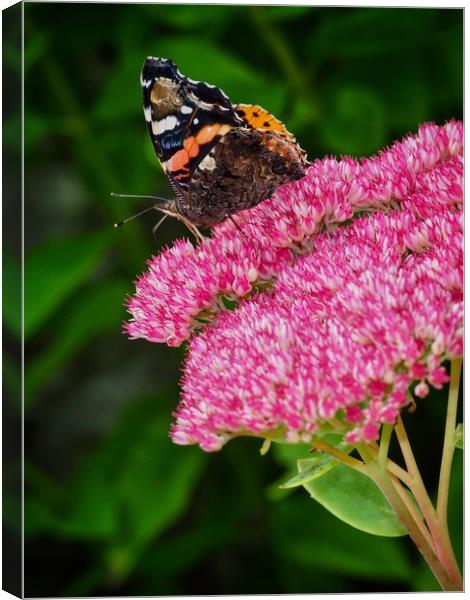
pixel 445 544
pixel 412 509
pixel 382 479
pixel 385 444
pixel 416 483
pixel 392 467
pixel 438 528
pixel 341 456
pixel 449 440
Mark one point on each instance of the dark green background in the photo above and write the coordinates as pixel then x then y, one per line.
pixel 112 506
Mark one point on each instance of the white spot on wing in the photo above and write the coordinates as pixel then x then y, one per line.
pixel 186 110
pixel 161 126
pixel 171 122
pixel 196 121
pixel 208 163
pixel 148 113
pixel 145 82
pixel 166 124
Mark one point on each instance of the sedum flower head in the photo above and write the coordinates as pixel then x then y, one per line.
pixel 347 288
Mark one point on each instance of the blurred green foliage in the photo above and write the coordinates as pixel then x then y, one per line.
pixel 112 506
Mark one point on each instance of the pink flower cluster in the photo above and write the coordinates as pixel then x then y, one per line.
pixel 375 307
pixel 185 286
pixel 348 286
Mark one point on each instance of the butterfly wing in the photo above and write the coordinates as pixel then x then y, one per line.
pixel 185 119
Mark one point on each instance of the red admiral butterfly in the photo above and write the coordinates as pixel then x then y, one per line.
pixel 219 157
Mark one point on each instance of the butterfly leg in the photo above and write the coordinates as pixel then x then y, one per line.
pixel 172 213
pixel 157 225
pixel 192 228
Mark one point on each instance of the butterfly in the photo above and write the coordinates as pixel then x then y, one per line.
pixel 219 157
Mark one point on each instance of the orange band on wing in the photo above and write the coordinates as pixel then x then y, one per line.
pixel 191 146
pixel 208 133
pixel 259 118
pixel 180 160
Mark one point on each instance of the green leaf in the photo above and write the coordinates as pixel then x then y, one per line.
pixel 356 500
pixel 309 537
pixel 312 468
pixel 54 270
pixel 288 456
pixel 91 314
pixel 12 294
pixel 356 122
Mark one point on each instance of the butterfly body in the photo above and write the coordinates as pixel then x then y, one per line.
pixel 220 158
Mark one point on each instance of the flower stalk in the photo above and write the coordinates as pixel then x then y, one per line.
pixel 449 581
pixel 436 523
pixel 431 537
pixel 427 526
pixel 449 440
pixel 342 457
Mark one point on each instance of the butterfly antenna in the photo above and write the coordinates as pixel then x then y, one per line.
pixel 140 196
pixel 142 212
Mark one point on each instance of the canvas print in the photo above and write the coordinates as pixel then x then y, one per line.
pixel 235 286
